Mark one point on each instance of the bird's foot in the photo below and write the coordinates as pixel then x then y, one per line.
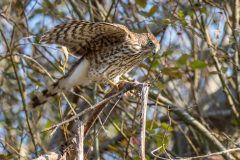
pixel 117 86
pixel 113 85
pixel 121 83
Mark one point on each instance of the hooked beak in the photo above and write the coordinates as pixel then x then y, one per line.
pixel 155 51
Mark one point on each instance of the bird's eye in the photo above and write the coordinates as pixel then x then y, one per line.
pixel 150 43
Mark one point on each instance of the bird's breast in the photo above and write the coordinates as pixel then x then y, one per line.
pixel 115 61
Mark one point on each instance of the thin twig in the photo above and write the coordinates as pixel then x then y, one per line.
pixel 125 88
pixel 144 95
pixel 183 114
pixel 80 140
pixel 197 157
pixel 236 26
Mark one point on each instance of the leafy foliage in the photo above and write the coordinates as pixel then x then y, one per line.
pixel 197 72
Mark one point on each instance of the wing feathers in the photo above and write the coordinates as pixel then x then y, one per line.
pixel 82 36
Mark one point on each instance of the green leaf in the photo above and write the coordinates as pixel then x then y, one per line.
pixel 180 14
pixel 9 75
pixel 168 53
pixel 235 121
pixel 204 10
pixel 48 124
pixel 48 4
pixel 167 21
pixel 9 156
pixel 151 131
pixel 147 157
pixel 142 3
pixel 198 64
pixel 61 14
pixel 2 124
pixel 152 125
pixel 165 126
pixel 190 12
pixel 224 69
pixel 184 22
pixel 152 11
pixel 38 11
pixel 183 59
pixel 155 64
pixel 172 72
pixel 160 85
pixel 162 139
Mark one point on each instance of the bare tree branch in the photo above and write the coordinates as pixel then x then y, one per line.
pixel 144 98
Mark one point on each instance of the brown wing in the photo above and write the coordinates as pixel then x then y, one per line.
pixel 81 37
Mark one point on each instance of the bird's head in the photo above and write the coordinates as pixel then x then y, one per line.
pixel 153 43
pixel 150 44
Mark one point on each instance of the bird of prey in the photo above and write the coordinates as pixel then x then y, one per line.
pixel 107 51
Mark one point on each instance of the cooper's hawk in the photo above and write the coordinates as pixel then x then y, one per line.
pixel 107 51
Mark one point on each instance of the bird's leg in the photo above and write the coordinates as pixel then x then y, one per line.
pixel 121 83
pixel 116 86
pixel 112 84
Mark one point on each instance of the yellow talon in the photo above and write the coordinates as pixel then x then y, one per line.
pixel 116 86
pixel 112 84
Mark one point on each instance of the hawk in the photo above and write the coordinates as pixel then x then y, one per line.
pixel 107 51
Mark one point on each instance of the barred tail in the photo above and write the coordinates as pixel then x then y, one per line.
pixel 78 75
pixel 45 95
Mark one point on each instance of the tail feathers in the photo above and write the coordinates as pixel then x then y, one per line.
pixel 78 75
pixel 45 95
